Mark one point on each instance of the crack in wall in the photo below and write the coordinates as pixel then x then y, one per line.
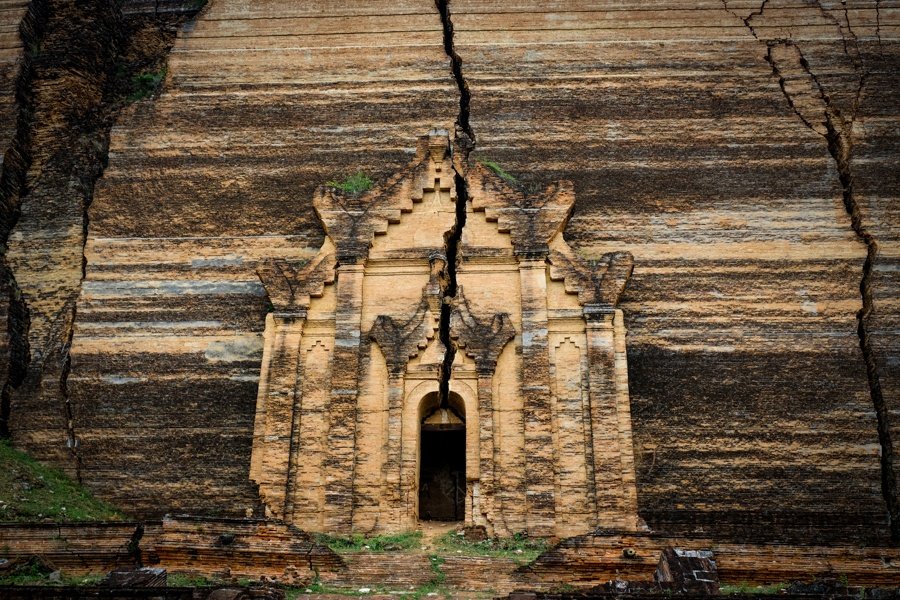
pixel 826 14
pixel 838 135
pixel 878 23
pixel 13 182
pixel 81 63
pixel 462 120
pixel 463 144
pixel 748 18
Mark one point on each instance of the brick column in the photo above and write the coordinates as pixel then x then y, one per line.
pixel 610 421
pixel 393 464
pixel 338 467
pixel 276 403
pixel 540 461
pixel 623 410
pixel 487 448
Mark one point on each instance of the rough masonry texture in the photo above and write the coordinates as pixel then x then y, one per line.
pixel 352 362
pixel 742 152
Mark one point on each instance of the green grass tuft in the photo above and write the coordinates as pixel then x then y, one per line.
pixel 28 574
pixel 519 547
pixel 498 171
pixel 30 491
pixel 144 85
pixel 186 580
pixel 35 573
pixel 354 184
pixel 746 588
pixel 292 593
pixel 380 543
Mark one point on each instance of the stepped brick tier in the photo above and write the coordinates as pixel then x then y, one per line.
pixel 597 558
pixel 210 546
pixel 78 547
pixel 241 547
pixel 350 385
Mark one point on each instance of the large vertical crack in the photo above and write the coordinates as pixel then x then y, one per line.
pixel 462 120
pixel 802 88
pixel 83 62
pixel 452 245
pixel 463 144
pixel 16 162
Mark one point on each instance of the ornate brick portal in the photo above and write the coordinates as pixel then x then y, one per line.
pixel 350 380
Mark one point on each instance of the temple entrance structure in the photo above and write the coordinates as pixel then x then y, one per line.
pixel 533 432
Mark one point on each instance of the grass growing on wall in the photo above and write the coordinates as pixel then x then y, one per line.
pixel 30 491
pixel 33 575
pixel 379 543
pixel 144 85
pixel 354 184
pixel 186 580
pixel 519 547
pixel 746 588
pixel 498 171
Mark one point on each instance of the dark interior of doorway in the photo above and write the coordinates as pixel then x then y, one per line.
pixel 442 475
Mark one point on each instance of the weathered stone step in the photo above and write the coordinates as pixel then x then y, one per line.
pixel 370 569
pixel 461 573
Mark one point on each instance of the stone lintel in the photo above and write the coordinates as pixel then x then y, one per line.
pixel 597 313
pixel 289 316
pixel 532 253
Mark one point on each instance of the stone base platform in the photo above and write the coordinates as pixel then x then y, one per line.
pixel 254 549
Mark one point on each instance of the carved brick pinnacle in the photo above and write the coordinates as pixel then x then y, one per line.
pixel 481 339
pixel 400 341
pixel 289 288
pixel 596 281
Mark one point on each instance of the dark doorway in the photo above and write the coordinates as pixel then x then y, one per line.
pixel 442 474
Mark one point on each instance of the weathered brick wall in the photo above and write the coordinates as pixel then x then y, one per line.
pixel 749 393
pixel 11 13
pixel 264 101
pixel 752 411
pixel 597 559
pixel 78 547
pixel 12 55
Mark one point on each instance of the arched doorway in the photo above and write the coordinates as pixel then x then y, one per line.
pixel 442 459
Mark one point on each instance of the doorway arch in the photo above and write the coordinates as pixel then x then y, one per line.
pixel 442 458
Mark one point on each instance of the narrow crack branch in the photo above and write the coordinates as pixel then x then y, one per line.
pixel 834 21
pixel 454 237
pixel 850 27
pixel 878 22
pixel 758 12
pixel 69 409
pixel 782 82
